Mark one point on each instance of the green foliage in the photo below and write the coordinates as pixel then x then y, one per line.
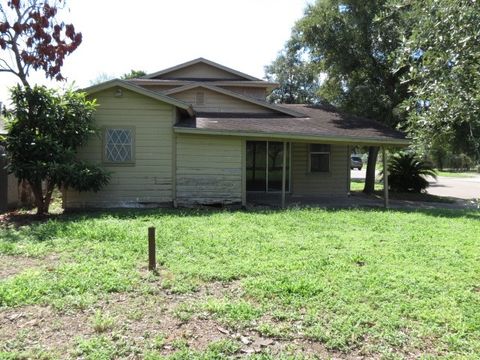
pixel 101 78
pixel 133 74
pixel 45 129
pixel 352 42
pixel 218 350
pixel 443 55
pixel 33 37
pixel 96 348
pixel 408 173
pixel 298 80
pixel 232 313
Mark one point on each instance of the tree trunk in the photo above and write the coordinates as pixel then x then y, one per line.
pixel 371 164
pixel 39 199
pixel 26 198
pixel 48 197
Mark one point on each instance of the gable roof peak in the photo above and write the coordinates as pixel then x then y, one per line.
pixel 139 90
pixel 235 95
pixel 201 60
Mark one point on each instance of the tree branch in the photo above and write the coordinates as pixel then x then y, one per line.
pixel 6 67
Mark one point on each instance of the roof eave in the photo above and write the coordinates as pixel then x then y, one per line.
pixel 201 60
pixel 235 95
pixel 303 137
pixel 239 83
pixel 140 90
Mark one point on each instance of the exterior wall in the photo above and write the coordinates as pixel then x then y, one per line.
pixel 209 170
pixel 216 102
pixel 149 180
pixel 200 71
pixel 254 92
pixel 3 181
pixel 9 198
pixel 12 192
pixel 334 182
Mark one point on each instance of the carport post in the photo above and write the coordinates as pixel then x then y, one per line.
pixel 284 172
pixel 385 177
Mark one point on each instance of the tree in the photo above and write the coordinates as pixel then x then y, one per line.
pixel 45 129
pixel 298 80
pixel 32 38
pixel 355 43
pixel 133 74
pixel 443 55
pixel 101 78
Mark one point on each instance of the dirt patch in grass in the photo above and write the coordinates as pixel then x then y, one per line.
pixel 140 321
pixel 19 218
pixel 154 319
pixel 29 327
pixel 11 265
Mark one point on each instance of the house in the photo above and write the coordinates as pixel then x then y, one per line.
pixel 9 197
pixel 202 133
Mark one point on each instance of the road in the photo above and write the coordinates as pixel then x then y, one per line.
pixel 462 188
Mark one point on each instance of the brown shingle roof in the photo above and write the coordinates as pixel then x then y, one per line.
pixel 319 121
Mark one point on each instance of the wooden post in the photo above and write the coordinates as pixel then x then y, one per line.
pixel 152 261
pixel 3 181
pixel 244 172
pixel 385 177
pixel 284 173
pixel 349 170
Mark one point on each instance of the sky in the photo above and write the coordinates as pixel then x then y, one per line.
pixel 151 35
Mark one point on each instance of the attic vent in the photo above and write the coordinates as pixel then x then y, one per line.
pixel 200 98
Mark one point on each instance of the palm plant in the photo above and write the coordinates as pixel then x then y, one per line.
pixel 408 173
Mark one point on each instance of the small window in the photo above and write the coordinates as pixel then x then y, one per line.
pixel 200 98
pixel 118 144
pixel 319 158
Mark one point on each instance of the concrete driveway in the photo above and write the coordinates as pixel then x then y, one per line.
pixel 358 174
pixel 461 188
pixel 456 187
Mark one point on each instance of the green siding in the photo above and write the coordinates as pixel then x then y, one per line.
pixel 217 102
pixel 334 182
pixel 149 179
pixel 209 170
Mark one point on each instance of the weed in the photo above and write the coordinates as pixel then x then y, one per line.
pixel 102 322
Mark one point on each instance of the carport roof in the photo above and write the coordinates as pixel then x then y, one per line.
pixel 319 123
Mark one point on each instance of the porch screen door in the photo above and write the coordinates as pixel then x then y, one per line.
pixel 264 166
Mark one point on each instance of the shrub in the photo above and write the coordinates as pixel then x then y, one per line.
pixel 407 173
pixel 45 129
pixel 460 162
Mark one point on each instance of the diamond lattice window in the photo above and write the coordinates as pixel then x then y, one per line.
pixel 119 145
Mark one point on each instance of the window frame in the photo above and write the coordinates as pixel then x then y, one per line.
pixel 310 153
pixel 105 161
pixel 289 174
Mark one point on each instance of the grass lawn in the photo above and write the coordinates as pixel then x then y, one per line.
pixel 357 185
pixel 264 285
pixel 457 174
